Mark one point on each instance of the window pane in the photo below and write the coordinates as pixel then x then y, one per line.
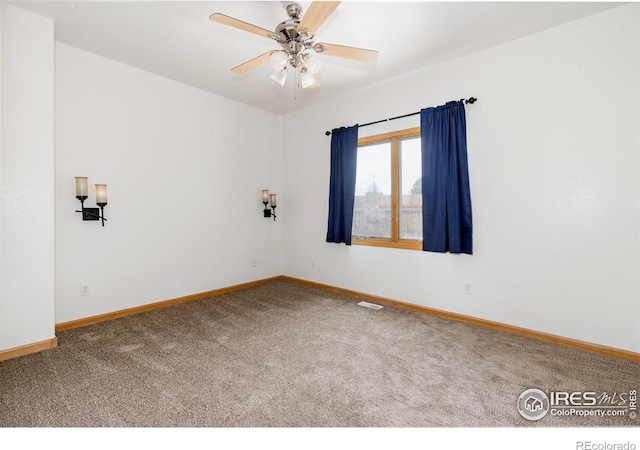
pixel 410 189
pixel 372 209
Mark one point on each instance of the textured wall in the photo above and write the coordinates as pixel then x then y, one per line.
pixel 26 180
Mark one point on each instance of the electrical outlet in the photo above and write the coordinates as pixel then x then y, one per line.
pixel 254 263
pixel 467 288
pixel 84 290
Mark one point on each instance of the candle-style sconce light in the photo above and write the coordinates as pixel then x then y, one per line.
pixel 101 200
pixel 269 199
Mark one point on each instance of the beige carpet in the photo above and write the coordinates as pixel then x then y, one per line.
pixel 287 355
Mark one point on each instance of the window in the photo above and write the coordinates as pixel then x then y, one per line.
pixel 388 200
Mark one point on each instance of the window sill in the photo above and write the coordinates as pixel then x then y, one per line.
pixel 380 242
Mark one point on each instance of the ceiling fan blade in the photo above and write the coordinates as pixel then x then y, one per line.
pixel 226 20
pixel 252 63
pixel 342 51
pixel 318 12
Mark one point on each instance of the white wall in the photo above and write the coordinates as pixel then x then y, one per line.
pixel 26 179
pixel 184 170
pixel 554 166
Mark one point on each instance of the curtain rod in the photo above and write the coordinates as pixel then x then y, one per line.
pixel 470 100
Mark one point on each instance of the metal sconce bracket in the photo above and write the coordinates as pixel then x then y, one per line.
pixel 269 212
pixel 90 213
pixel 101 197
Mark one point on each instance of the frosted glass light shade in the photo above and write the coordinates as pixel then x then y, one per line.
pixel 272 198
pixel 81 187
pixel 306 79
pixel 101 194
pixel 278 60
pixel 312 63
pixel 279 76
pixel 265 195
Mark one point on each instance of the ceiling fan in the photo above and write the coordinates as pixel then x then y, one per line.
pixel 296 38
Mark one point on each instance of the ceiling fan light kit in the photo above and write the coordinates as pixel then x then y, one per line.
pixel 296 38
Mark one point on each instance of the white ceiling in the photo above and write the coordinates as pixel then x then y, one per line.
pixel 176 39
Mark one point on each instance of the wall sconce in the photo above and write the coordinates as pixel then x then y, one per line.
pixel 101 200
pixel 266 199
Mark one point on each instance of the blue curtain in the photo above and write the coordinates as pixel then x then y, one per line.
pixel 342 183
pixel 446 200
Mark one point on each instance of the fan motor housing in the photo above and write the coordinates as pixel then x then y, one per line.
pixel 288 30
